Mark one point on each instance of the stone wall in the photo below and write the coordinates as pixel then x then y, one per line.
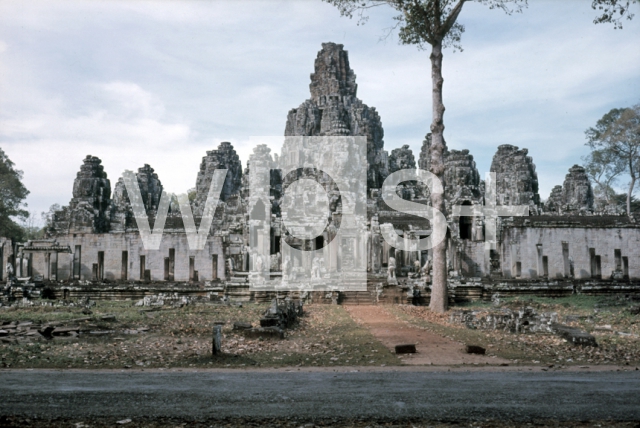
pixel 112 245
pixel 570 252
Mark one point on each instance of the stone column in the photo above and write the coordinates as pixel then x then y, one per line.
pixel 54 267
pixel 216 348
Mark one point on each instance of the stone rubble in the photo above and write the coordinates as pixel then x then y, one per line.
pixel 525 320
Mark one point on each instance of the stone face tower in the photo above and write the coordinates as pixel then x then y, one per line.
pixel 150 191
pixel 577 194
pixel 224 157
pixel 516 178
pixel 461 178
pixel 334 110
pixel 401 158
pixel 88 209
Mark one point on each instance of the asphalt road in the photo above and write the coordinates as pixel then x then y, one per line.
pixel 258 394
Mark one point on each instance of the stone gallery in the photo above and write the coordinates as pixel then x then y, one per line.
pixel 562 246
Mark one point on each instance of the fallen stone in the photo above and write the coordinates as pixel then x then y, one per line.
pixel 574 335
pixel 474 349
pixel 407 348
pixel 265 333
pixel 238 325
pixel 65 331
pixel 73 320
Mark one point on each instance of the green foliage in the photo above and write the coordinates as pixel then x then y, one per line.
pixel 604 169
pixel 422 22
pixel 613 11
pixel 615 145
pixel 191 194
pixel 49 216
pixel 12 193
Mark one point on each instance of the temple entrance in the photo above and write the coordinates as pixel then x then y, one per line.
pixel 466 224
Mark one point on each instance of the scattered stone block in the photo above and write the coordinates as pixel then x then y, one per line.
pixel 606 327
pixel 474 349
pixel 574 335
pixel 407 348
pixel 65 331
pixel 283 314
pixel 238 325
pixel 269 322
pixel 265 333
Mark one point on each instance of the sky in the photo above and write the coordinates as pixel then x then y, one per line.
pixel 161 82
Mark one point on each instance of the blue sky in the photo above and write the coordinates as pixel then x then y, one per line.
pixel 162 82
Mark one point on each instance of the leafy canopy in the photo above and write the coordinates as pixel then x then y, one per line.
pixel 613 11
pixel 12 193
pixel 422 22
pixel 615 145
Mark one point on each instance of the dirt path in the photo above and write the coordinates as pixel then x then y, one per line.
pixel 432 348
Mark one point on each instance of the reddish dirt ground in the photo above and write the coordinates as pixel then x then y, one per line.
pixel 431 348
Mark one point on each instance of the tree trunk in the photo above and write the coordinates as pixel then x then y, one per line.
pixel 631 185
pixel 439 299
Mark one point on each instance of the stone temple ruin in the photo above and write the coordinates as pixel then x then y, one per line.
pixel 94 246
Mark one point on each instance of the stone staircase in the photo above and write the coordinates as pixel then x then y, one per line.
pixel 237 287
pixel 357 297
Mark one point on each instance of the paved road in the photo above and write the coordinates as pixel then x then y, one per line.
pixel 259 394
